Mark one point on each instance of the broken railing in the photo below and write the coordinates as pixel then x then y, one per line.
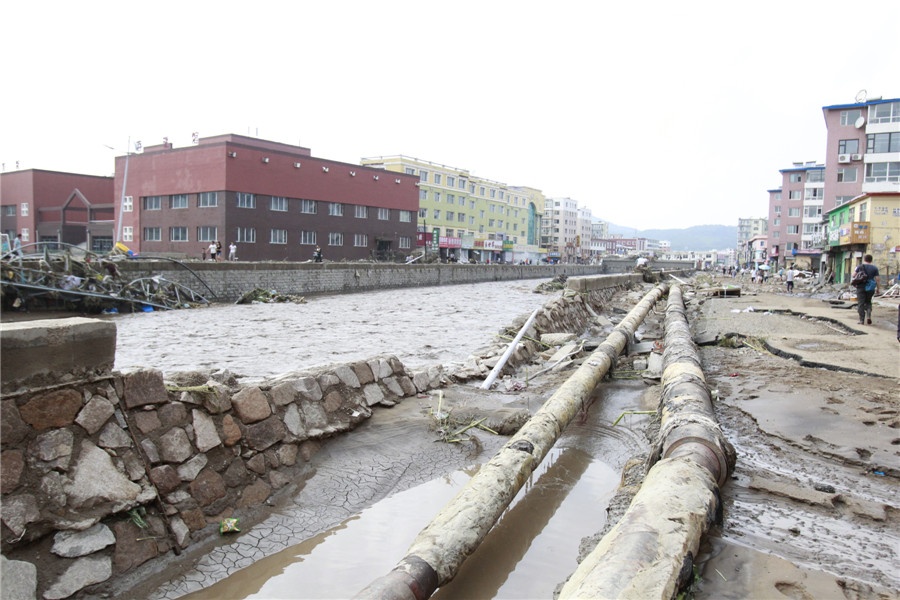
pixel 63 273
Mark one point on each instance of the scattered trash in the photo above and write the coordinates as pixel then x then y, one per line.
pixel 515 386
pixel 260 296
pixel 734 375
pixel 633 412
pixel 229 526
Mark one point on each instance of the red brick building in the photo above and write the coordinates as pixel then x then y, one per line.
pixel 275 201
pixel 50 206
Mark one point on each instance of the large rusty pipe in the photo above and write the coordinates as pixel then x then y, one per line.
pixel 688 424
pixel 463 523
pixel 649 553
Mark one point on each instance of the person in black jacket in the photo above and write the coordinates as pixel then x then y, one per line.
pixel 866 291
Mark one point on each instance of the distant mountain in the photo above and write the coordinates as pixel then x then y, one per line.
pixel 698 237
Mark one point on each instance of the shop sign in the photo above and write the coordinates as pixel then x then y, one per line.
pixel 855 233
pixel 493 245
pixel 450 242
pixel 507 245
pixel 435 239
pixel 468 242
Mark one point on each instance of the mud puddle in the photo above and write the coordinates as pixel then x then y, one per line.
pixel 531 549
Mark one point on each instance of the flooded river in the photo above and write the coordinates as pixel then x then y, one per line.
pixel 421 326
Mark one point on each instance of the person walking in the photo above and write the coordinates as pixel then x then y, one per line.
pixel 866 288
pixel 17 245
pixel 789 278
pixel 219 255
pixel 232 251
pixel 212 251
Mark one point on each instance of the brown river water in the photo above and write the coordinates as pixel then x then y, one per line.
pixel 421 326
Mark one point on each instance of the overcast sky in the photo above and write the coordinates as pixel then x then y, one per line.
pixel 653 114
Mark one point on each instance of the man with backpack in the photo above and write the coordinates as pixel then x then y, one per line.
pixel 866 281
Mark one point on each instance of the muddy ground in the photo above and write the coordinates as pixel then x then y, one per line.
pixel 812 508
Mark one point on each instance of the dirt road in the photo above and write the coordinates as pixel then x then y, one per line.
pixel 812 508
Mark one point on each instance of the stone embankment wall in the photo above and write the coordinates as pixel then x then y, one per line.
pixel 103 471
pixel 229 280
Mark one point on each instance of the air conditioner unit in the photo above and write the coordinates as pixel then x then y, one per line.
pixel 856 157
pixel 232 154
pixel 843 158
pixel 296 165
pixel 265 159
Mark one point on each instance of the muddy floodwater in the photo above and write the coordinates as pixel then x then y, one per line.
pixel 421 326
pixel 532 548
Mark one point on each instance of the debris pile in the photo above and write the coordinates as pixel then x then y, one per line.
pixel 554 285
pixel 81 280
pixel 260 296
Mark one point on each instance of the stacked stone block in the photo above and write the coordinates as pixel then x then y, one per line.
pixel 119 469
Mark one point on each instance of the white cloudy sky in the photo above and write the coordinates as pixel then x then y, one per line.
pixel 653 114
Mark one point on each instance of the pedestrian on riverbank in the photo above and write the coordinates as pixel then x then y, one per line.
pixel 203 253
pixel 17 245
pixel 212 251
pixel 866 290
pixel 789 278
pixel 317 255
pixel 219 255
pixel 232 251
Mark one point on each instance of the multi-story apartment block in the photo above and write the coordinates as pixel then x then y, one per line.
pixel 748 229
pixel 599 231
pixel 276 201
pixel 862 157
pixel 49 206
pixel 560 229
pixel 583 234
pixel 862 149
pixel 466 217
pixel 795 216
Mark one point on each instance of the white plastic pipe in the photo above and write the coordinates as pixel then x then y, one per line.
pixel 509 350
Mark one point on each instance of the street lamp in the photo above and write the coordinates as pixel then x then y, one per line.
pixel 118 232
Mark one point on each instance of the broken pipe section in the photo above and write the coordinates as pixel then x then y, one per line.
pixel 440 549
pixel 649 553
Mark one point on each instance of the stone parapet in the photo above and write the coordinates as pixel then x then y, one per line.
pixel 141 464
pixel 36 353
pixel 226 282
